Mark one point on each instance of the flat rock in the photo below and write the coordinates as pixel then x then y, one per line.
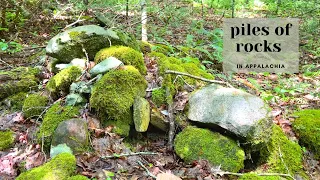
pixel 105 66
pixel 73 133
pixel 141 114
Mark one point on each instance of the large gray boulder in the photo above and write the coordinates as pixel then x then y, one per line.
pixel 68 45
pixel 74 133
pixel 238 112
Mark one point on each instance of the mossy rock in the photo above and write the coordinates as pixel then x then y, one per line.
pixel 161 48
pixel 122 124
pixel 6 139
pixel 78 177
pixel 22 79
pixel 127 55
pixel 53 117
pixel 61 82
pixel 33 105
pixel 196 143
pixel 114 93
pixel 60 167
pixel 159 97
pixel 282 155
pixel 254 176
pixel 69 44
pixel 141 114
pixel 15 102
pixel 307 128
pixel 145 47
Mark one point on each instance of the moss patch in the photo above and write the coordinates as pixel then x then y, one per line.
pixel 22 79
pixel 59 168
pixel 127 55
pixel 145 47
pixel 78 177
pixel 196 143
pixel 281 154
pixel 114 93
pixel 253 176
pixel 6 139
pixel 159 97
pixel 55 114
pixel 63 80
pixel 16 101
pixel 307 127
pixel 33 105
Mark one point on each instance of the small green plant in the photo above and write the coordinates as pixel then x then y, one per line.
pixel 10 47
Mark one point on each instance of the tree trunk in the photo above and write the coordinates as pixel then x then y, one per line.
pixel 233 8
pixel 144 35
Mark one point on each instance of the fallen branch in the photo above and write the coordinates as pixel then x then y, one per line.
pixel 148 172
pixel 77 21
pixel 129 154
pixel 199 78
pixel 171 120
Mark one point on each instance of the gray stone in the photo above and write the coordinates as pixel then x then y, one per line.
pixel 141 114
pixel 158 121
pixel 74 133
pixel 69 44
pixel 105 66
pixel 241 113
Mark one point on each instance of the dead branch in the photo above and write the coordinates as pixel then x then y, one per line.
pixel 129 154
pixel 171 120
pixel 148 172
pixel 199 78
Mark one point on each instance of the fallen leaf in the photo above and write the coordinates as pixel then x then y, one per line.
pixel 167 176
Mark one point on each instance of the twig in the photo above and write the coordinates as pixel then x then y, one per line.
pixel 129 154
pixel 221 173
pixel 148 172
pixel 199 78
pixel 77 21
pixel 6 63
pixel 42 143
pixel 171 120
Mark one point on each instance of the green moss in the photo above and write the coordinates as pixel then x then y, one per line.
pixel 282 155
pixel 59 168
pixel 195 143
pixel 63 80
pixel 114 93
pixel 145 47
pixel 126 40
pixel 159 97
pixel 127 55
pixel 307 127
pixel 121 125
pixel 55 114
pixel 6 139
pixel 17 80
pixel 33 105
pixel 164 49
pixel 253 176
pixel 78 177
pixel 16 101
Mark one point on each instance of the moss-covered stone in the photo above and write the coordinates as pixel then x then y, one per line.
pixel 127 55
pixel 196 143
pixel 60 167
pixel 22 79
pixel 78 177
pixel 161 48
pixel 159 96
pixel 307 127
pixel 114 93
pixel 121 125
pixel 15 102
pixel 158 121
pixel 145 47
pixel 62 81
pixel 6 139
pixel 33 105
pixel 55 114
pixel 282 155
pixel 141 114
pixel 253 176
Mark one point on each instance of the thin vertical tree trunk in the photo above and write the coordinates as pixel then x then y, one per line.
pixel 144 35
pixel 233 8
pixel 127 11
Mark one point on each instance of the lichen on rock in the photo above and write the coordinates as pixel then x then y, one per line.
pixel 307 128
pixel 61 167
pixel 196 143
pixel 61 82
pixel 141 114
pixel 55 115
pixel 33 105
pixel 127 55
pixel 6 139
pixel 114 93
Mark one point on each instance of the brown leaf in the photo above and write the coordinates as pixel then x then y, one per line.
pixel 35 160
pixel 167 176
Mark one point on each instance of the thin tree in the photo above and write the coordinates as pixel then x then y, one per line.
pixel 232 8
pixel 144 35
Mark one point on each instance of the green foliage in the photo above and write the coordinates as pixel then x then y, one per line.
pixel 78 177
pixel 63 80
pixel 55 114
pixel 59 168
pixel 122 124
pixel 195 143
pixel 307 127
pixel 281 154
pixel 16 101
pixel 33 105
pixel 114 93
pixel 6 139
pixel 253 176
pixel 10 47
pixel 127 55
